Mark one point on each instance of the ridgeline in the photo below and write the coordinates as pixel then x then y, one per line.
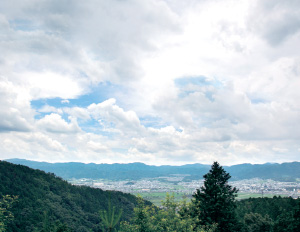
pixel 44 198
pixel 135 171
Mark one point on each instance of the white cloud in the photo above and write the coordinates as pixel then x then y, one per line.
pixel 65 101
pixel 50 109
pixel 33 145
pixel 46 141
pixel 77 112
pixel 244 109
pixel 97 41
pixel 50 85
pixel 97 147
pixel 245 147
pixel 125 122
pixel 55 124
pixel 275 21
pixel 281 150
pixel 15 111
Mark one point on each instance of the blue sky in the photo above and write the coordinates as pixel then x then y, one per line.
pixel 159 82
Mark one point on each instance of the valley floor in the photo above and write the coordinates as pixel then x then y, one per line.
pixel 155 189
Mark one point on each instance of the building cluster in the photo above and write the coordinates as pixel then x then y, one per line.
pixel 176 184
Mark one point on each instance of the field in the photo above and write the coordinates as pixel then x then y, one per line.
pixel 155 189
pixel 157 197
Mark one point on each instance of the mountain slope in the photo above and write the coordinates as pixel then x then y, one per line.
pixel 279 172
pixel 115 171
pixel 44 196
pixel 133 171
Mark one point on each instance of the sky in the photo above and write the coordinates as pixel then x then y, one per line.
pixel 158 81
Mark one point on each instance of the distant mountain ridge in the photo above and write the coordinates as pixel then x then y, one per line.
pixel 135 171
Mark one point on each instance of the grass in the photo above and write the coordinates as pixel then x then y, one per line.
pixel 157 197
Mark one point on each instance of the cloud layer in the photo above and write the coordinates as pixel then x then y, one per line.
pixel 160 82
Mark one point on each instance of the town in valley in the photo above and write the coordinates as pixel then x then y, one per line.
pixel 155 189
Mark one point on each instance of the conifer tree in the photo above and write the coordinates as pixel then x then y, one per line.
pixel 110 218
pixel 214 202
pixel 297 216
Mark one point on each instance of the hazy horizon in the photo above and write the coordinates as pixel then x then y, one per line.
pixel 209 164
pixel 158 81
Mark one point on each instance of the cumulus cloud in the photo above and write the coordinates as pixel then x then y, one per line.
pixel 56 124
pixel 155 81
pixel 97 147
pixel 84 43
pixel 50 109
pixel 15 111
pixel 114 116
pixel 77 112
pixel 33 145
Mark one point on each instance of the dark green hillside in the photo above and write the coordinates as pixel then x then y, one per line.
pixel 275 214
pixel 273 207
pixel 45 198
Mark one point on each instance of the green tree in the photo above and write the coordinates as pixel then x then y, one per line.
pixel 284 223
pixel 214 202
pixel 255 222
pixel 141 221
pixel 110 218
pixel 297 216
pixel 50 226
pixel 47 226
pixel 172 217
pixel 5 214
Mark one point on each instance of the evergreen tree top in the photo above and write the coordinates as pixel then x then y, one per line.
pixel 214 202
pixel 216 176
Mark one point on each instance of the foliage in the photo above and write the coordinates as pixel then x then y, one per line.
pixel 49 226
pixel 110 218
pixel 75 207
pixel 5 214
pixel 284 222
pixel 254 222
pixel 289 221
pixel 281 213
pixel 47 203
pixel 171 217
pixel 214 202
pixel 296 216
pixel 266 206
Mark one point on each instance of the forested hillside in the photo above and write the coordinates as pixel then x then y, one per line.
pixel 47 200
pixel 42 202
pixel 214 209
pixel 275 214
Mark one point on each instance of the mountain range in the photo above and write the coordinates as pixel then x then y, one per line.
pixel 135 171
